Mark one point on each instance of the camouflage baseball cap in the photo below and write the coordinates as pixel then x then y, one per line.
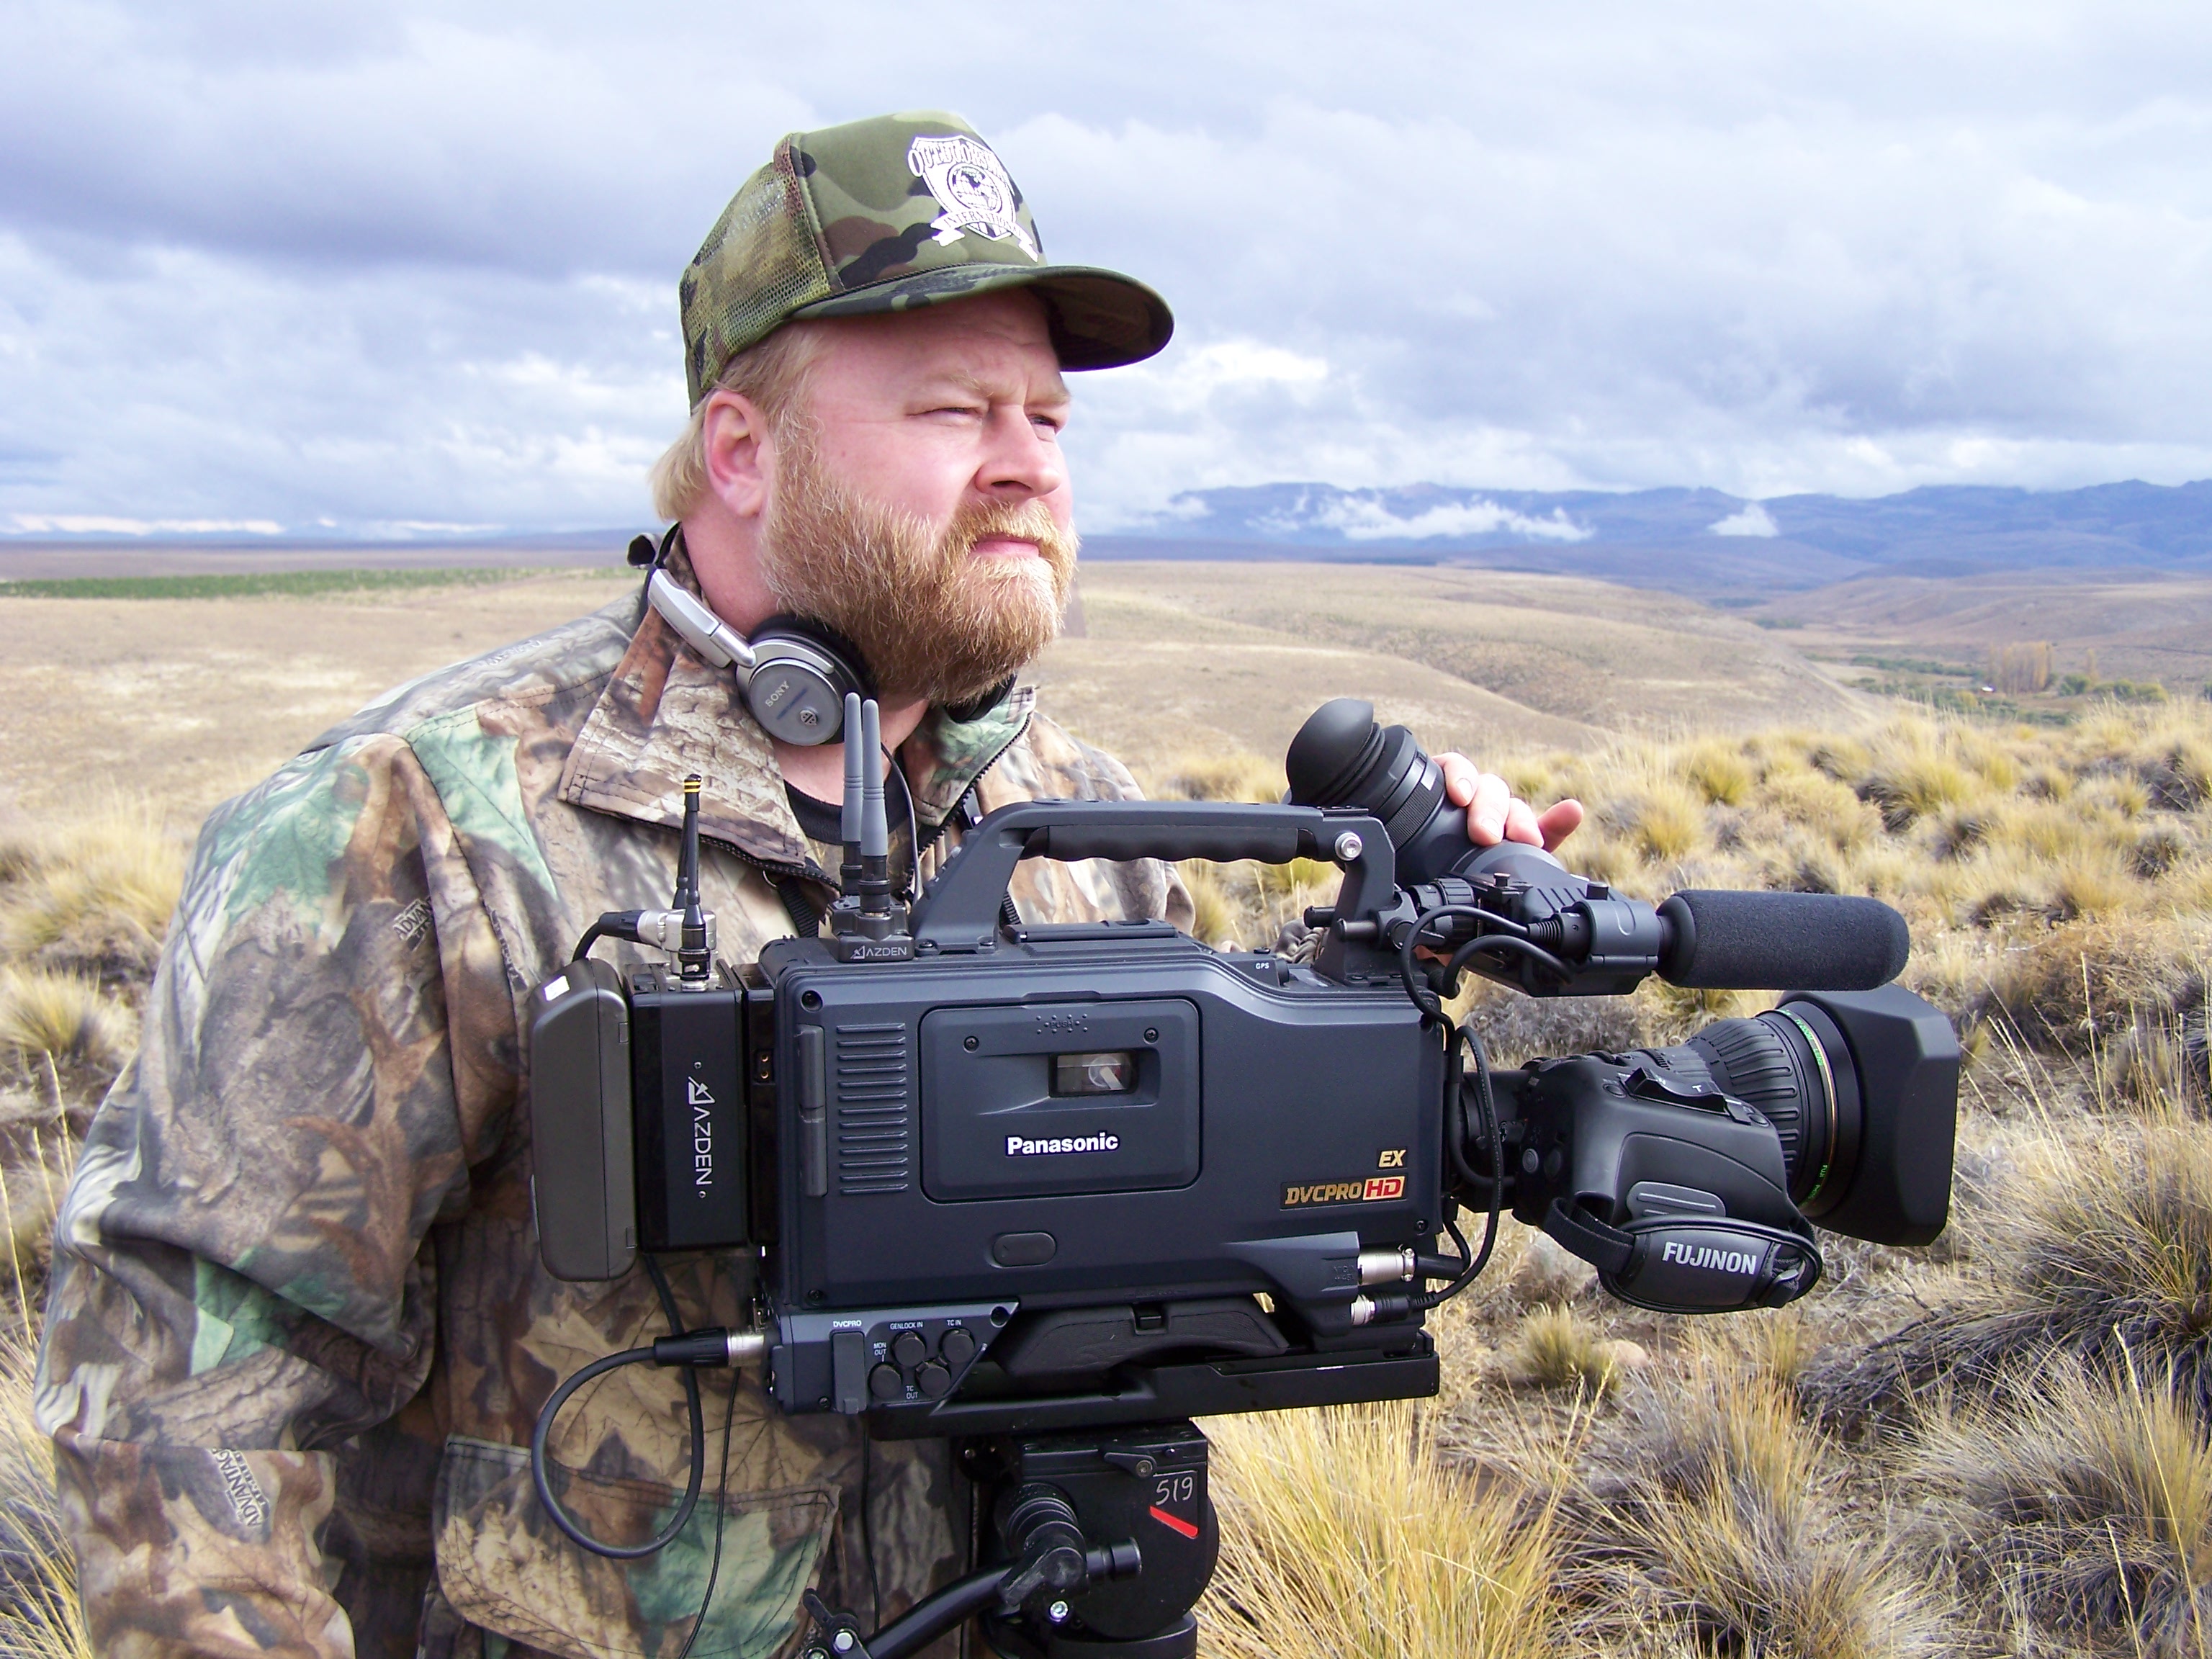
pixel 904 211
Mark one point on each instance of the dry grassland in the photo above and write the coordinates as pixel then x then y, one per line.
pixel 1998 1445
pixel 1182 658
pixel 186 701
pixel 2131 624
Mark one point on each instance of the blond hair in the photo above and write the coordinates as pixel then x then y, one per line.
pixel 771 376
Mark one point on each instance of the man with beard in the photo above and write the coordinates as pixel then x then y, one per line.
pixel 299 1329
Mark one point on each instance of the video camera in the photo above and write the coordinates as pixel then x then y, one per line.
pixel 1055 1189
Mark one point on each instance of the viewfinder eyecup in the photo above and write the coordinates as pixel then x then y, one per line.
pixel 1341 757
pixel 1329 758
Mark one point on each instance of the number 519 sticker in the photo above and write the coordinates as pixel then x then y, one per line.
pixel 1175 1489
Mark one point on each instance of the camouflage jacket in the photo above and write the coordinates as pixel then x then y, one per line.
pixel 299 1329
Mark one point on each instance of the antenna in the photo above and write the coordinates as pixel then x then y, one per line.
pixel 696 953
pixel 865 925
pixel 875 826
pixel 849 830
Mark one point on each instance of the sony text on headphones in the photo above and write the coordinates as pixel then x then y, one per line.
pixel 793 674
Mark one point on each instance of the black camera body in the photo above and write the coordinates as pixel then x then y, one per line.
pixel 992 1173
pixel 1053 1191
pixel 1054 1147
pixel 1016 1178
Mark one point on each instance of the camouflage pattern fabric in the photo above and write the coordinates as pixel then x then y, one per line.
pixel 299 1330
pixel 884 214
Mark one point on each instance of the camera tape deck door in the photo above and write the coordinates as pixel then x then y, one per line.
pixel 1022 1101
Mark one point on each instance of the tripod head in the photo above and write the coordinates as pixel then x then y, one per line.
pixel 1098 1547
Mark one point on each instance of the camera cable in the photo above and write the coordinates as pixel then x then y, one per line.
pixel 687 1349
pixel 1495 934
pixel 1424 993
pixel 1471 1263
pixel 1503 944
pixel 1494 1142
pixel 721 1514
pixel 892 768
pixel 1418 987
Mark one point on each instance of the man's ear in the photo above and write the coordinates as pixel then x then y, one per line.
pixel 740 454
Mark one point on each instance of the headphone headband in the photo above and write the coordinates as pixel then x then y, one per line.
pixel 793 674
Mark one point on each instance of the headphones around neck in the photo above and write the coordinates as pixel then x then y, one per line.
pixel 793 674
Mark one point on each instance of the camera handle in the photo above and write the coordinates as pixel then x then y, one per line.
pixel 960 911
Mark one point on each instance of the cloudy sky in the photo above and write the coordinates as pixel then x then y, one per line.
pixel 367 266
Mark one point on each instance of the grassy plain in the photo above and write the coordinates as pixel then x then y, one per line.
pixel 2136 625
pixel 1185 656
pixel 1998 1445
pixel 184 701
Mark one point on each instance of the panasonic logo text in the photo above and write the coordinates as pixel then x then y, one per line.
pixel 1704 1255
pixel 1017 1146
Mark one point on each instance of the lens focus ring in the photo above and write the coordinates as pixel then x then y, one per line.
pixel 1759 1064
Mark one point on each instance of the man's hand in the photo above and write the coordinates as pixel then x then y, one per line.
pixel 1495 813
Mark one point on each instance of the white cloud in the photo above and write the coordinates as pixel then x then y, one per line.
pixel 1753 521
pixel 1235 366
pixel 1364 521
pixel 89 524
pixel 386 261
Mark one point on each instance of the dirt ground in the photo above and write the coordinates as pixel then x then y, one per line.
pixel 185 701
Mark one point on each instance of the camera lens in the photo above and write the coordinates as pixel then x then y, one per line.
pixel 1794 1066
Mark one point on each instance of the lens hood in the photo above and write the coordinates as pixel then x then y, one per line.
pixel 1907 1058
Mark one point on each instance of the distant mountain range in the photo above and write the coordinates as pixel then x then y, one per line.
pixel 1698 541
pixel 1694 541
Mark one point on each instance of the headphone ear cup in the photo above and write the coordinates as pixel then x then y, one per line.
pixel 799 683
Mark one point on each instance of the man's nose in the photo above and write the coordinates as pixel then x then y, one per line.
pixel 1019 461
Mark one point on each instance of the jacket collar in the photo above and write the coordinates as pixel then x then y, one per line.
pixel 665 713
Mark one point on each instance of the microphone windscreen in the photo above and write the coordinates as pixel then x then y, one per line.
pixel 1720 940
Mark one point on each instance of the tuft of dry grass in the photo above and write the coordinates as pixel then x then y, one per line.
pixel 2110 1241
pixel 1725 1510
pixel 93 898
pixel 2102 1251
pixel 1720 772
pixel 2162 1066
pixel 1557 1348
pixel 63 1016
pixel 2074 986
pixel 2087 1499
pixel 1239 775
pixel 2178 772
pixel 1345 1535
pixel 1215 918
pixel 1547 1273
pixel 1914 780
pixel 2091 884
pixel 1778 1347
pixel 40 1617
pixel 1664 822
